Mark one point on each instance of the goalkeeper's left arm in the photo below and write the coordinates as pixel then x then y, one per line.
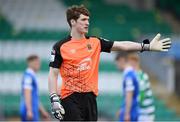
pixel 156 44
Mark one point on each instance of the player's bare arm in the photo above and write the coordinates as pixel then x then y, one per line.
pixel 126 46
pixel 52 78
pixel 27 95
pixel 156 44
pixel 129 96
pixel 43 111
pixel 57 108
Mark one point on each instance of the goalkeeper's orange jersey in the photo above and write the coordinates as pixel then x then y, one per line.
pixel 78 61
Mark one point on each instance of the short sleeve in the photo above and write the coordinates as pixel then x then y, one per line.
pixel 145 76
pixel 106 45
pixel 55 57
pixel 129 84
pixel 27 83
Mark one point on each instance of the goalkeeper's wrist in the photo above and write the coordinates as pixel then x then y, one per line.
pixel 54 98
pixel 145 45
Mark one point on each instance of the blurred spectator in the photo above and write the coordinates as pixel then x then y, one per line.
pixel 146 101
pixel 129 109
pixel 30 104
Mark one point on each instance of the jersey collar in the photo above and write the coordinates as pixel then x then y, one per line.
pixel 70 37
pixel 127 69
pixel 30 70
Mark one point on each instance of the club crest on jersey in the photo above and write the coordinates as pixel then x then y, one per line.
pixel 89 47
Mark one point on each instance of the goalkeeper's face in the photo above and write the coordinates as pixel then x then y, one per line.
pixel 81 25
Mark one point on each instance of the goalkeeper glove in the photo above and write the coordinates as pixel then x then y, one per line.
pixel 156 44
pixel 56 108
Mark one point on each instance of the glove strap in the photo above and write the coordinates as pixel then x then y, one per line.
pixel 145 45
pixel 54 98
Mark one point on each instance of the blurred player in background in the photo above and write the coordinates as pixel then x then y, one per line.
pixel 146 101
pixel 130 109
pixel 76 58
pixel 30 104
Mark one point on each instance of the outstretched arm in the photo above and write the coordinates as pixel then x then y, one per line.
pixel 126 46
pixel 155 45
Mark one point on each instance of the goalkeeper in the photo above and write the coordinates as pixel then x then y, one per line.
pixel 76 58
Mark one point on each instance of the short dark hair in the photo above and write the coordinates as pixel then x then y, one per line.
pixel 31 58
pixel 75 11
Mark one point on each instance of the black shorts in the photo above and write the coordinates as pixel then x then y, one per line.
pixel 80 107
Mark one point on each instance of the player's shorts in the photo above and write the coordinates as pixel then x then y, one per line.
pixel 80 107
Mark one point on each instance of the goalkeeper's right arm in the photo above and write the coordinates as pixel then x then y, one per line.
pixel 56 107
pixel 52 80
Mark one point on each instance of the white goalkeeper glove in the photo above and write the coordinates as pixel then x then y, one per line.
pixel 56 108
pixel 156 44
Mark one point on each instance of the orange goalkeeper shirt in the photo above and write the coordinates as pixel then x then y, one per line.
pixel 78 61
